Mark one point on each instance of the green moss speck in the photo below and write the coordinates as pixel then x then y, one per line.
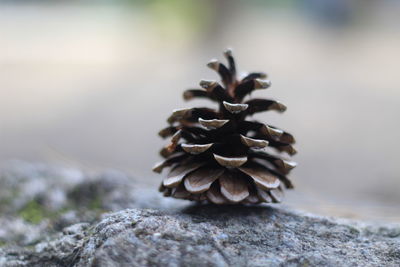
pixel 32 212
pixel 95 204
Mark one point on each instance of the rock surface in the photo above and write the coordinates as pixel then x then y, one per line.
pixel 189 235
pixel 37 200
pixel 213 236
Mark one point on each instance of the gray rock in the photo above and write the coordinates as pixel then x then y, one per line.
pixel 55 188
pixel 18 231
pixel 215 236
pixel 38 200
pixel 52 216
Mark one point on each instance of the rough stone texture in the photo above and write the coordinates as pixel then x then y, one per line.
pixel 187 235
pixel 56 188
pixel 37 200
pixel 214 236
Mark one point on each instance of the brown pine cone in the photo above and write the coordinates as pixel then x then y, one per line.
pixel 218 155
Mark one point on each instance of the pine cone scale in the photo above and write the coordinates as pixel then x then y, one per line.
pixel 234 186
pixel 214 195
pixel 200 180
pixel 264 179
pixel 177 174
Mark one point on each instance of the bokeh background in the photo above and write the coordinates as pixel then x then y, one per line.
pixel 90 83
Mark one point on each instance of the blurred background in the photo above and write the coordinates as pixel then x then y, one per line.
pixel 89 84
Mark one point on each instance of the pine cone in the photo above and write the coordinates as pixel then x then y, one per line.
pixel 222 157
